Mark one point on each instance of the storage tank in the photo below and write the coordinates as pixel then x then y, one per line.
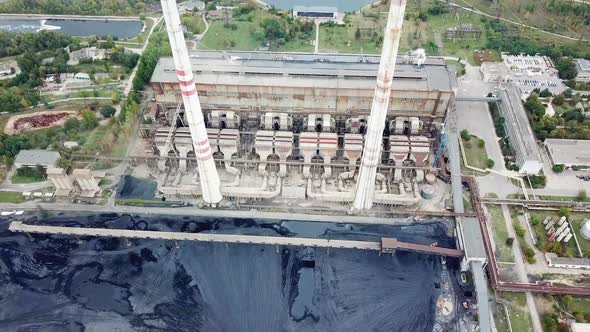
pixel 430 178
pixel 427 191
pixel 586 229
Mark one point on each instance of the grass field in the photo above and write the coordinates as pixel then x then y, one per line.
pixel 243 37
pixel 576 220
pixel 341 40
pixel 517 309
pixel 475 155
pixel 500 232
pixel 29 175
pixel 11 197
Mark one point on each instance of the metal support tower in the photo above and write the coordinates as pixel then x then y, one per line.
pixel 210 184
pixel 365 188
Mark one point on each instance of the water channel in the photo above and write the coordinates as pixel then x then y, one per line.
pixel 59 283
pixel 75 27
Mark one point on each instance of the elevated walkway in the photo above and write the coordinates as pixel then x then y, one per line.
pixel 387 245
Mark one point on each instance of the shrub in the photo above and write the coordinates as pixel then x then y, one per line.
pixel 519 230
pixel 558 100
pixel 565 212
pixel 490 163
pixel 558 168
pixel 107 111
pixel 509 241
pixel 535 221
pixel 465 135
pixel 481 144
pixel 582 196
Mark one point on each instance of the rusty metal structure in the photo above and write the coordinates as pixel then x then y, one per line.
pixel 365 187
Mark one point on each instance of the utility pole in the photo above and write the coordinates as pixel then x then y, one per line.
pixel 209 179
pixel 365 187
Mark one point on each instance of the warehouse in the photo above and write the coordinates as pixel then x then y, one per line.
pixel 342 85
pixel 33 158
pixel 569 152
pixel 520 133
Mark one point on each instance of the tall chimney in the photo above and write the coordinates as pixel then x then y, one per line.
pixel 210 184
pixel 365 188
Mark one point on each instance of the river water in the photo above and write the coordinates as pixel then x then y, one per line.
pixel 57 283
pixel 101 28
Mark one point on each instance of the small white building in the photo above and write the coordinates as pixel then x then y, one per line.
pixel 93 53
pixel 585 231
pixel 190 6
pixel 315 12
pixel 569 152
pixel 567 263
pixel 583 67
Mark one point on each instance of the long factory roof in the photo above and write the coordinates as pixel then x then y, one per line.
pixel 306 70
pixel 569 151
pixel 516 117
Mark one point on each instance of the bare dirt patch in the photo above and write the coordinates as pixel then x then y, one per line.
pixel 33 121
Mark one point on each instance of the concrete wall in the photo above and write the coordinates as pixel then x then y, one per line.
pixel 309 100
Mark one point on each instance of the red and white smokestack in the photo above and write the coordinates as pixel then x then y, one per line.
pixel 210 184
pixel 365 188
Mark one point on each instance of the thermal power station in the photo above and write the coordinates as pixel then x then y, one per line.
pixel 328 129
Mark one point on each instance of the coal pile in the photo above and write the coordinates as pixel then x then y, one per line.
pixel 55 283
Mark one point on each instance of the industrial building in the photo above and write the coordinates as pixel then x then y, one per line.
pixel 341 85
pixel 315 12
pixel 33 158
pixel 569 152
pixel 566 262
pixel 583 66
pixel 521 136
pixel 295 126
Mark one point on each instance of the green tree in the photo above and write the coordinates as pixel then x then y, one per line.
pixel 567 68
pixel 582 196
pixel 89 120
pixel 273 29
pixel 567 301
pixel 107 111
pixel 490 163
pixel 565 212
pixel 465 135
pixel 545 93
pixel 357 34
pixel 115 97
pixel 558 168
pixel 72 125
pixel 558 100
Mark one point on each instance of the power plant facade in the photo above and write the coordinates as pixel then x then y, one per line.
pixel 320 128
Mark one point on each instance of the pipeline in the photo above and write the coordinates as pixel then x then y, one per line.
pixel 328 196
pixel 344 176
pixel 256 193
pixel 327 169
pixel 382 197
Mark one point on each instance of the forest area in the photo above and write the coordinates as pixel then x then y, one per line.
pixel 78 7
